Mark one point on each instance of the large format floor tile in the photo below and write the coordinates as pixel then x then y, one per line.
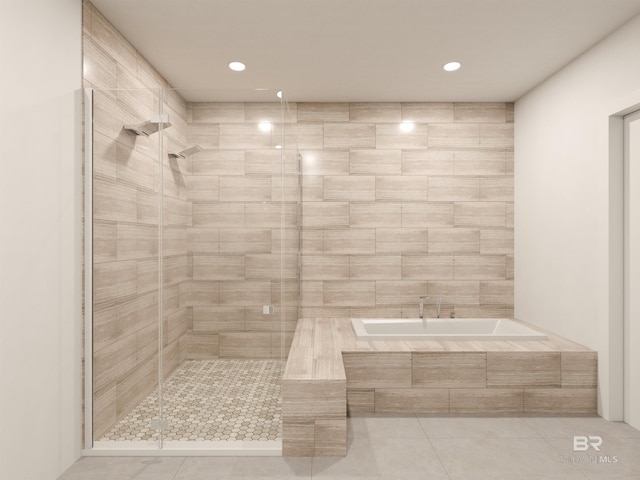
pixel 120 468
pixel 490 458
pixel 617 459
pixel 374 458
pixel 477 427
pixel 406 447
pixel 264 468
pixel 385 426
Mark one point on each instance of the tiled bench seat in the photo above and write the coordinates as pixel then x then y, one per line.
pixel 314 393
pixel 329 371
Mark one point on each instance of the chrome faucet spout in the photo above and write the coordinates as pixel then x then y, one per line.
pixel 438 305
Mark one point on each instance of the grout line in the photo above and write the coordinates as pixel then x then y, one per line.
pixel 175 475
pixel 534 430
pixel 439 459
pixel 555 453
pixel 426 433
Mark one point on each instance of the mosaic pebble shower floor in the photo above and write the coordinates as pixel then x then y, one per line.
pixel 211 400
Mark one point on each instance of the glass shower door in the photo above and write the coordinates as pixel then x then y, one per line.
pixel 124 145
pixel 237 242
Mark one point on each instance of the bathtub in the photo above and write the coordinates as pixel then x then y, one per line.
pixel 443 329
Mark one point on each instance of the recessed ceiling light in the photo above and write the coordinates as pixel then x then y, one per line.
pixel 407 126
pixel 279 94
pixel 278 147
pixel 452 66
pixel 265 126
pixel 237 66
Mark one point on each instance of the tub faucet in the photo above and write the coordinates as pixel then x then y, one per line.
pixel 438 304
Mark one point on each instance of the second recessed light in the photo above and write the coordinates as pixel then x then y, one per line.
pixel 452 66
pixel 265 126
pixel 407 126
pixel 237 66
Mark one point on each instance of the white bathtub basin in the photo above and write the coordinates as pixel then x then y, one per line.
pixel 443 329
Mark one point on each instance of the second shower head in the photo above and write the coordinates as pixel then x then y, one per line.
pixel 186 152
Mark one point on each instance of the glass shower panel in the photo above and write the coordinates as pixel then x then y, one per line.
pixel 126 140
pixel 230 220
pixel 291 224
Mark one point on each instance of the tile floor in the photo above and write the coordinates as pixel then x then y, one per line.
pixel 211 400
pixel 415 447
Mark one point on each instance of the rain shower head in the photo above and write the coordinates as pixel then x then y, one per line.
pixel 186 152
pixel 150 126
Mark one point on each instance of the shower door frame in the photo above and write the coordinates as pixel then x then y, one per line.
pixel 88 272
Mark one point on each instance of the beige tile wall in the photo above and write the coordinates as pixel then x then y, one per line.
pixel 125 243
pixel 387 216
pixel 239 194
pixel 391 215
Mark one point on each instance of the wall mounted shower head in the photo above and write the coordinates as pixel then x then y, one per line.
pixel 150 126
pixel 186 152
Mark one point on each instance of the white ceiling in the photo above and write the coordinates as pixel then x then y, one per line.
pixel 364 50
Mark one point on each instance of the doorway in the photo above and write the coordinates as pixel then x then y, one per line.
pixel 632 269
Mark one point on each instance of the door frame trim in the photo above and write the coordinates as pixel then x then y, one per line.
pixel 610 310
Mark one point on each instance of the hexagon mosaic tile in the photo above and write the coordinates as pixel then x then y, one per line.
pixel 211 400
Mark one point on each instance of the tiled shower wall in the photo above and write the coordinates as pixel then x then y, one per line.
pixel 390 215
pixel 125 228
pixel 245 205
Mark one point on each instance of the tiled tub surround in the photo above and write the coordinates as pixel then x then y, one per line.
pixel 330 373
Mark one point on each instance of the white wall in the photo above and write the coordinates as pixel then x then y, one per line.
pixel 40 237
pixel 565 261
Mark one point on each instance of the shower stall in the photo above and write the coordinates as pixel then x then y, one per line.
pixel 191 269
